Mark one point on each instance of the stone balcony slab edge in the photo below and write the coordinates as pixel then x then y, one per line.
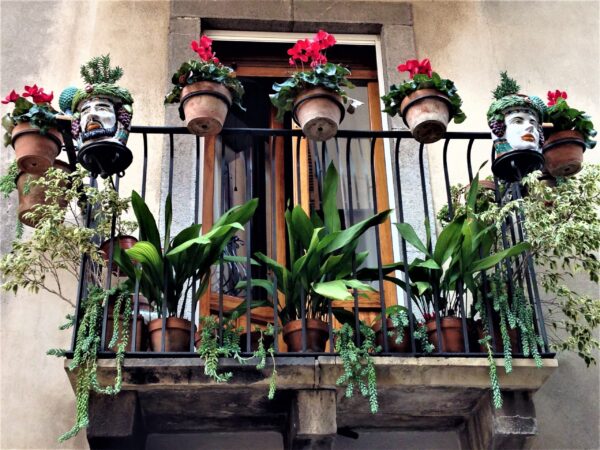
pixel 299 373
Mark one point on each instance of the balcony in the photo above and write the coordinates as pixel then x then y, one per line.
pixel 425 386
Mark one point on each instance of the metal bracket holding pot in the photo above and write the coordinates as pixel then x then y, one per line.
pixel 439 97
pixel 216 94
pixel 318 95
pixel 567 140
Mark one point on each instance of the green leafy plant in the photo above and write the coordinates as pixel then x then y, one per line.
pixel 359 367
pixel 87 346
pixel 321 259
pixel 507 86
pixel 422 77
pixel 463 250
pixel 61 237
pixel 38 112
pixel 208 68
pixel 332 77
pixel 564 118
pixel 167 269
pixel 562 225
pixel 485 197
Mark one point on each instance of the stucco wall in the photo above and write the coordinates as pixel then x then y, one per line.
pixel 544 45
pixel 45 42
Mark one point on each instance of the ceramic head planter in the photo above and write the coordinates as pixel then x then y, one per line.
pixel 102 118
pixel 516 124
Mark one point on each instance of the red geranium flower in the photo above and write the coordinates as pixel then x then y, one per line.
pixel 37 94
pixel 203 47
pixel 414 67
pixel 30 91
pixel 324 39
pixel 12 97
pixel 554 96
pixel 300 50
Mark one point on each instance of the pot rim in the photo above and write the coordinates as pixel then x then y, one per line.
pixel 27 128
pixel 314 93
pixel 296 325
pixel 171 322
pixel 421 95
pixel 563 137
pixel 220 91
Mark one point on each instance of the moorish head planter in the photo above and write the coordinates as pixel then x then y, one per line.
pixel 516 124
pixel 102 119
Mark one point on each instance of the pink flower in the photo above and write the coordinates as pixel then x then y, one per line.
pixel 203 47
pixel 414 67
pixel 554 96
pixel 37 94
pixel 324 39
pixel 12 97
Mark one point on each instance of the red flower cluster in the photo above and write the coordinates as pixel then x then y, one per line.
pixel 37 95
pixel 553 96
pixel 414 67
pixel 204 49
pixel 305 50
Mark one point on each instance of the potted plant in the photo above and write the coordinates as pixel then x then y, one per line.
pixel 516 123
pixel 31 129
pixel 102 112
pixel 314 95
pixel 61 238
pixel 206 90
pixel 168 269
pixel 426 102
pixel 463 249
pixel 572 132
pixel 319 269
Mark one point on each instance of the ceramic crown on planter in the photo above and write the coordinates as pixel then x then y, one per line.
pixel 516 123
pixel 314 96
pixel 206 90
pixel 102 114
pixel 426 103
pixel 572 132
pixel 31 129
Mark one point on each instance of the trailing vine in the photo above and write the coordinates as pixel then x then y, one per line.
pixel 210 351
pixel 420 335
pixel 87 345
pixel 399 319
pixel 359 367
pixel 261 354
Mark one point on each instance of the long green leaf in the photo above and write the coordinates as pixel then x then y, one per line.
pixel 410 236
pixel 448 241
pixel 494 259
pixel 330 209
pixel 303 227
pixel 347 236
pixel 335 290
pixel 147 254
pixel 146 222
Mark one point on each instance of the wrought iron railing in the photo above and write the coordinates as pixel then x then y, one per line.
pixel 417 179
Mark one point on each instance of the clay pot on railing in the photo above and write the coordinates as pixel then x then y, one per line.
pixel 318 112
pixel 177 335
pixel 452 334
pixel 125 242
pixel 563 153
pixel 317 333
pixel 35 152
pixel 204 107
pixel 402 347
pixel 31 196
pixel 426 112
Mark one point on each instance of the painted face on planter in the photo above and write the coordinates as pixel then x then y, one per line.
pixel 522 130
pixel 98 119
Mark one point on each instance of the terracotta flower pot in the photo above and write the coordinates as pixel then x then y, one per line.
pixel 317 333
pixel 402 347
pixel 141 335
pixel 452 334
pixel 426 113
pixel 125 242
pixel 563 152
pixel 177 334
pixel 318 112
pixel 512 334
pixel 35 152
pixel 254 337
pixel 205 105
pixel 36 195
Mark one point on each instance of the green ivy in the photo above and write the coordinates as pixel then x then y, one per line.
pixel 41 116
pixel 261 355
pixel 8 182
pixel 398 92
pixel 332 77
